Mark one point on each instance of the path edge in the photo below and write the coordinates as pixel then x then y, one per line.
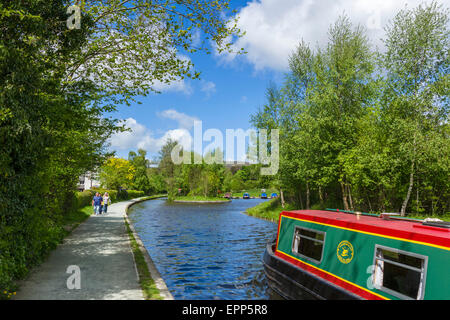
pixel 156 276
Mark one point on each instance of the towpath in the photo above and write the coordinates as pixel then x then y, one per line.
pixel 100 250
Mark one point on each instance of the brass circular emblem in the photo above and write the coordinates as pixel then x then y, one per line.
pixel 345 252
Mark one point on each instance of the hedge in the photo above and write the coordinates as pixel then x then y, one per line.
pixel 84 198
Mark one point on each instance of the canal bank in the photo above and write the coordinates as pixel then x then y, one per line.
pixel 206 251
pixel 95 262
pixel 149 276
pixel 269 210
pixel 200 199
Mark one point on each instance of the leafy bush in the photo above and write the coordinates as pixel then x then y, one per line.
pixel 26 245
pixel 131 194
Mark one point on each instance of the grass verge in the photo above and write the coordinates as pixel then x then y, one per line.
pixel 74 218
pixel 269 210
pixel 148 286
pixel 155 196
pixel 200 198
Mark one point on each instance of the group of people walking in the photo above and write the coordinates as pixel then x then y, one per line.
pixel 100 203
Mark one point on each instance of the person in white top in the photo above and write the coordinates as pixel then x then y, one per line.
pixel 106 202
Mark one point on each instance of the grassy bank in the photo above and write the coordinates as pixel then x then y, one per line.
pixel 156 196
pixel 75 217
pixel 200 198
pixel 148 286
pixel 271 209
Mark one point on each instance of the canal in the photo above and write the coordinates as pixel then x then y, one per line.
pixel 206 251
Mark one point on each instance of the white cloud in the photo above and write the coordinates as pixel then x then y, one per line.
pixel 208 87
pixel 175 86
pixel 141 137
pixel 184 121
pixel 275 27
pixel 129 139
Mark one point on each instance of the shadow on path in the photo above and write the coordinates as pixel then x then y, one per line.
pixel 100 248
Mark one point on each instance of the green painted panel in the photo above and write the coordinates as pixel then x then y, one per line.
pixel 358 269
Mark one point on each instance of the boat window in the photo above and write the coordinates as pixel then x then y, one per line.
pixel 400 273
pixel 308 243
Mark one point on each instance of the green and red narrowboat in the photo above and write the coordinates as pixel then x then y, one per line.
pixel 320 254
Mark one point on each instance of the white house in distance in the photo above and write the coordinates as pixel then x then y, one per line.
pixel 88 181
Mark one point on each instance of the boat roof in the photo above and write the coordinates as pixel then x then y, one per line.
pixel 413 231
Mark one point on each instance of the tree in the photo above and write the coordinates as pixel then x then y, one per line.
pixel 134 46
pixel 343 91
pixel 140 163
pixel 117 173
pixel 49 135
pixel 375 138
pixel 167 167
pixel 156 181
pixel 417 64
pixel 317 110
pixel 237 182
pixel 55 85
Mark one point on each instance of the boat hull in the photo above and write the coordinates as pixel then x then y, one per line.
pixel 294 283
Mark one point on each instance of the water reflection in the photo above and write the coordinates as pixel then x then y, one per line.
pixel 207 251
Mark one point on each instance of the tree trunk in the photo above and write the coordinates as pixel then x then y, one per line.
pixel 344 196
pixel 370 205
pixel 321 197
pixel 417 197
pixel 282 198
pixel 408 194
pixel 350 197
pixel 307 196
pixel 300 197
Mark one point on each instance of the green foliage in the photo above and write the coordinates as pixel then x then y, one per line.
pixel 156 181
pixel 117 173
pixel 49 133
pixel 135 45
pixel 205 179
pixel 148 285
pixel 140 163
pixel 130 194
pixel 364 129
pixel 200 198
pixel 55 86
pixel 269 210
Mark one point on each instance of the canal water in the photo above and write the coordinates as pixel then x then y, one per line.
pixel 206 251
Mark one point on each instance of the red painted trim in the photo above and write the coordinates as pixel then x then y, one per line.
pixel 431 228
pixel 329 277
pixel 386 229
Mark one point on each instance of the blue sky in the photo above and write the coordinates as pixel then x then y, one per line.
pixel 232 88
pixel 224 98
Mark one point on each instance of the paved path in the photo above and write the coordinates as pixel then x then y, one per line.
pixel 100 247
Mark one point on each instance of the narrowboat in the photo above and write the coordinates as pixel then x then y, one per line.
pixel 246 195
pixel 330 254
pixel 263 195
